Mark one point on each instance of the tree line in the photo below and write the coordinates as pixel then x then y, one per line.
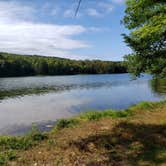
pixel 21 65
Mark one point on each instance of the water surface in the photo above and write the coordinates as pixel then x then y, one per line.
pixel 43 100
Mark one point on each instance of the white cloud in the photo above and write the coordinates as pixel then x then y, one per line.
pixel 21 31
pixel 14 11
pixel 107 7
pixel 69 13
pixel 19 34
pixel 25 36
pixel 99 29
pixel 99 9
pixel 49 9
pixel 93 12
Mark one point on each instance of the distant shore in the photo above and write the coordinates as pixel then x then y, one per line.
pixel 13 65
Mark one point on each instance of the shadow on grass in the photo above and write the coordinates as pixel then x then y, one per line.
pixel 128 144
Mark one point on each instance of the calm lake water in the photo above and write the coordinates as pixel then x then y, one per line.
pixel 43 100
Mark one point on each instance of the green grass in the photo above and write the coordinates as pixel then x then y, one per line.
pixel 146 105
pixel 97 115
pixel 89 116
pixel 66 123
pixel 10 145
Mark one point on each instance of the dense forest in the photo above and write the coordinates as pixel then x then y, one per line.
pixel 21 65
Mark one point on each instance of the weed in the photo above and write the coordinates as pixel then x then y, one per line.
pixel 66 123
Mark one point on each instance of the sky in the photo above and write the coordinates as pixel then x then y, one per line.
pixel 49 28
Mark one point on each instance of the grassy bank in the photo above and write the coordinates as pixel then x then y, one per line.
pixel 135 136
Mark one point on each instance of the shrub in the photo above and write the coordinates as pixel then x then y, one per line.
pixel 35 134
pixel 66 123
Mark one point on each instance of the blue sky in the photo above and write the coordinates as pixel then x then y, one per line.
pixel 48 27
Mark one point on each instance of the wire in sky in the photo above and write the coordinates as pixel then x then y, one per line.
pixel 78 7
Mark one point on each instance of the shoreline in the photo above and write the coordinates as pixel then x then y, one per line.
pixel 15 148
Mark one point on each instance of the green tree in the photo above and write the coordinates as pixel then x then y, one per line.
pixel 20 65
pixel 146 19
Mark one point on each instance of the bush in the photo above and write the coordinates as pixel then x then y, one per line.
pixel 35 134
pixel 66 123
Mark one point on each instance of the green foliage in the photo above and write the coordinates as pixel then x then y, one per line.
pixel 90 116
pixel 96 115
pixel 10 145
pixel 19 65
pixel 21 143
pixel 143 105
pixel 159 85
pixel 35 134
pixel 93 115
pixel 66 123
pixel 146 105
pixel 147 21
pixel 6 156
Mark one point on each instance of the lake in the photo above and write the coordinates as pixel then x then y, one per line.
pixel 44 99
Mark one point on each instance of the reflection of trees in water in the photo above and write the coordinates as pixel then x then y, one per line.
pixel 158 86
pixel 41 90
